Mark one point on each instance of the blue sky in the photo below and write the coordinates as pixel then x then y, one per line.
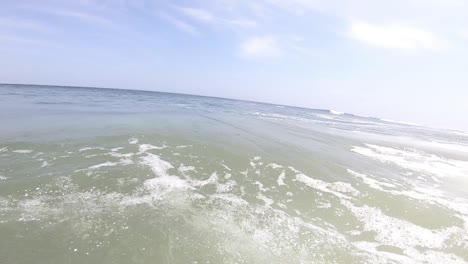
pixel 403 59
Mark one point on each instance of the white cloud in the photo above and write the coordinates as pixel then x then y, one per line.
pixel 85 17
pixel 198 14
pixel 181 25
pixel 260 46
pixel 241 23
pixel 214 19
pixel 395 36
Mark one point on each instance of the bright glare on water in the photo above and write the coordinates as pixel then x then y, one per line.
pixel 116 176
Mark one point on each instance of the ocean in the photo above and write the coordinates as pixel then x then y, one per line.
pixel 122 176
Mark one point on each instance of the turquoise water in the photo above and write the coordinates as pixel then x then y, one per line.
pixel 117 176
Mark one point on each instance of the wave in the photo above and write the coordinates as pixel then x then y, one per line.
pixel 333 112
pixel 398 122
pixel 415 161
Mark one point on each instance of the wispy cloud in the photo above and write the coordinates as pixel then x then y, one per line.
pixel 181 25
pixel 208 17
pixel 241 23
pixel 395 36
pixel 85 17
pixel 198 14
pixel 261 46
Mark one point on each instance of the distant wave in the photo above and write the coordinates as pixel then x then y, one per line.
pixel 450 146
pixel 336 112
pixel 55 103
pixel 398 122
pixel 386 120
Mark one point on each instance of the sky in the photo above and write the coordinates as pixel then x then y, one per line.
pixel 404 60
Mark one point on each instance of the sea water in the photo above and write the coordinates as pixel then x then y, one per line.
pixel 119 176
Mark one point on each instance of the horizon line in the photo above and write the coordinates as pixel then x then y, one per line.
pixel 187 94
pixel 235 99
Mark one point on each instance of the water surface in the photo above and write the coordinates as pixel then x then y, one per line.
pixel 117 176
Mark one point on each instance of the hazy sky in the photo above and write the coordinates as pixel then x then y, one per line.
pixel 402 59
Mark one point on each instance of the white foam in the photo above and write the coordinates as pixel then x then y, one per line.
pixel 121 155
pixel 145 147
pixel 282 117
pixel 213 179
pixel 184 169
pixel 261 186
pixel 274 166
pixel 323 204
pixel 325 117
pixel 126 162
pixel 123 162
pixel 31 209
pixel 450 146
pixel 254 227
pixel 459 133
pixel 294 169
pixel 268 202
pixel 85 149
pixel 133 141
pixel 281 178
pixel 339 189
pixel 38 154
pixel 343 187
pixel 415 160
pixel 375 184
pixel 116 149
pixel 157 165
pixel 4 149
pixel 335 112
pixel 90 148
pixel 424 194
pixel 45 164
pixel 398 122
pixel 226 187
pixel 399 233
pixel 3 177
pixel 226 167
pixel 23 151
pixel 263 232
pixel 160 186
pixel 166 184
pixel 412 256
pixel 232 199
pixel 105 164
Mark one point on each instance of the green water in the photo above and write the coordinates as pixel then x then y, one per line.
pixel 108 176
